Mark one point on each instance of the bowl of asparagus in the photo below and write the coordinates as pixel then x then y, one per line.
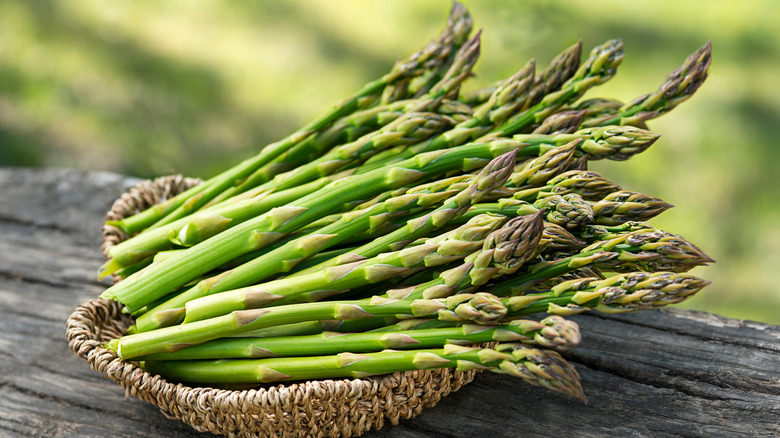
pixel 356 271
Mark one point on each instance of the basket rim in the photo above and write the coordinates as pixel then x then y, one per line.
pixel 202 407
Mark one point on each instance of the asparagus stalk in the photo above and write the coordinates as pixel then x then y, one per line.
pixel 172 273
pixel 286 257
pixel 621 293
pixel 503 253
pixel 600 66
pixel 551 332
pixel 346 130
pixel 481 308
pixel 560 69
pixel 438 54
pixel 332 281
pixel 409 128
pixel 202 225
pixel 505 100
pixel 544 368
pixel 627 292
pixel 565 122
pixel 459 24
pixel 647 250
pixel 679 86
pixel 466 277
pixel 424 225
pixel 539 170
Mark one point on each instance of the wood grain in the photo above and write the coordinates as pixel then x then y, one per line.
pixel 661 373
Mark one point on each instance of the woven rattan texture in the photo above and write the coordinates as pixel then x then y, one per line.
pixel 319 408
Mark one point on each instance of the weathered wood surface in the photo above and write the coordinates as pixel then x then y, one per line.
pixel 660 373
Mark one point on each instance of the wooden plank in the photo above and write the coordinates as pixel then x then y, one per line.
pixel 660 373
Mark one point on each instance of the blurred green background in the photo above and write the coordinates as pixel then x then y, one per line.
pixel 192 87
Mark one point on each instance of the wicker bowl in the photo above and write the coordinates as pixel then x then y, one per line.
pixel 319 408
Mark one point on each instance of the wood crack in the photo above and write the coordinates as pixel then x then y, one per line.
pixel 740 342
pixel 31 224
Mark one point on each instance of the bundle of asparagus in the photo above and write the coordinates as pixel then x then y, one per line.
pixel 412 227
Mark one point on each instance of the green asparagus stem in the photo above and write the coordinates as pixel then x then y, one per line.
pixel 503 253
pixel 647 250
pixel 600 66
pixel 170 274
pixel 287 256
pixel 560 70
pixel 424 225
pixel 505 100
pixel 538 367
pixel 680 85
pixel 551 332
pixel 628 292
pixel 481 308
pixel 539 170
pixel 202 225
pixel 409 128
pixel 438 54
pixel 459 23
pixel 315 286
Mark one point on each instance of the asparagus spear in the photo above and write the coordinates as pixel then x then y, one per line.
pixel 481 308
pixel 588 184
pixel 556 238
pixel 648 250
pixel 565 122
pixel 544 368
pixel 422 226
pixel 407 129
pixel 604 143
pixel 624 206
pixel 551 332
pixel 621 293
pixel 678 87
pixel 505 100
pixel 459 24
pixel 172 273
pixel 332 281
pixel 539 170
pixel 600 66
pixel 202 225
pixel 627 292
pixel 345 130
pixel 503 253
pixel 288 255
pixel 569 211
pixel 437 55
pixel 560 69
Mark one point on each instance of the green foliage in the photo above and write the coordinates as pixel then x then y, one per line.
pixel 151 88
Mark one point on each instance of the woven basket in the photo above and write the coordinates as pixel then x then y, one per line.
pixel 319 408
